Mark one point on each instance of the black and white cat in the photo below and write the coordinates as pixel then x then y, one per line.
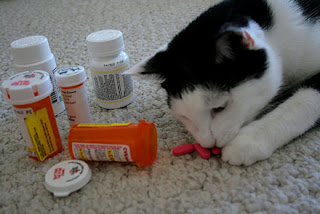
pixel 244 75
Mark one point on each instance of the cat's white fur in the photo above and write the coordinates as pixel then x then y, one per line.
pixel 293 47
pixel 295 40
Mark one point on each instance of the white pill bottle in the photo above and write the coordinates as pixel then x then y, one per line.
pixel 71 82
pixel 107 63
pixel 34 53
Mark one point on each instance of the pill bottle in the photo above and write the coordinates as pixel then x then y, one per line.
pixel 33 53
pixel 71 82
pixel 29 93
pixel 123 142
pixel 107 63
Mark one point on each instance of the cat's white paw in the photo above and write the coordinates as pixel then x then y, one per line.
pixel 246 149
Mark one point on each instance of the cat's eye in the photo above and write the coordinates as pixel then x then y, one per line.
pixel 217 110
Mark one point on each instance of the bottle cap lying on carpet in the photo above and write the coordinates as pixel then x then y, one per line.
pixel 123 142
pixel 67 177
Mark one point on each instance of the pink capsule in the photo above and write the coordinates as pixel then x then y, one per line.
pixel 203 152
pixel 183 149
pixel 216 150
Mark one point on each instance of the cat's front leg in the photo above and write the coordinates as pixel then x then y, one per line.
pixel 248 147
pixel 259 139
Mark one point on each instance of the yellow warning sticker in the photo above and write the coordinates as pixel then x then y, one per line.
pixel 102 124
pixel 31 149
pixel 81 154
pixel 110 154
pixel 41 133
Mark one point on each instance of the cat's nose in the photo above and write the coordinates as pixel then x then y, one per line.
pixel 207 145
pixel 205 140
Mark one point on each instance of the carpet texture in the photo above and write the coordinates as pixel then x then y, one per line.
pixel 288 182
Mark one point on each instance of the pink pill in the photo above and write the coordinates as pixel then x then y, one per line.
pixel 203 152
pixel 183 149
pixel 216 150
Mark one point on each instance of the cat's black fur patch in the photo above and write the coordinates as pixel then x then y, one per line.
pixel 311 9
pixel 190 58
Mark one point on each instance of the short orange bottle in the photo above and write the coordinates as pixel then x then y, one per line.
pixel 123 142
pixel 29 93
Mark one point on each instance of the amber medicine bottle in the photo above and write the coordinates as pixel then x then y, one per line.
pixel 29 93
pixel 34 53
pixel 71 82
pixel 123 142
pixel 107 62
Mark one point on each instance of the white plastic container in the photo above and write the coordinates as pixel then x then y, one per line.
pixel 33 53
pixel 29 93
pixel 67 177
pixel 107 62
pixel 71 82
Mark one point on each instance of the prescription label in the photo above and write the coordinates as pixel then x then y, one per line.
pixel 101 152
pixel 112 88
pixel 41 133
pixel 22 114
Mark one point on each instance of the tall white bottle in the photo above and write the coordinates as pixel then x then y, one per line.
pixel 33 53
pixel 107 63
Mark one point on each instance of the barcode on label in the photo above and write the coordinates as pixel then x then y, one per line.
pixel 111 87
pixel 53 97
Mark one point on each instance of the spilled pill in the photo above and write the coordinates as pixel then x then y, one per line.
pixel 183 149
pixel 203 152
pixel 216 150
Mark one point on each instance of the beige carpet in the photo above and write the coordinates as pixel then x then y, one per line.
pixel 288 182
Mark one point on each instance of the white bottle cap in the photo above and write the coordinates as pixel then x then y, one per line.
pixel 67 177
pixel 70 76
pixel 27 87
pixel 30 50
pixel 105 43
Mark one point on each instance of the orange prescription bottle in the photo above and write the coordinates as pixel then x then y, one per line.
pixel 29 93
pixel 124 142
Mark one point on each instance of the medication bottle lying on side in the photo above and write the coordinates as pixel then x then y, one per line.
pixel 123 142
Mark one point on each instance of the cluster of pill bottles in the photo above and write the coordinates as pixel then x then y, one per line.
pixel 39 91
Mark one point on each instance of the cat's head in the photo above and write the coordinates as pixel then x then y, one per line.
pixel 216 83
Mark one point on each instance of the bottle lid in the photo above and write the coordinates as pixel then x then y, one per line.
pixel 70 76
pixel 30 50
pixel 67 177
pixel 146 143
pixel 27 87
pixel 105 43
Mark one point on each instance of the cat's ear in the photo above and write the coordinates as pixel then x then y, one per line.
pixel 141 67
pixel 151 67
pixel 247 40
pixel 138 68
pixel 231 40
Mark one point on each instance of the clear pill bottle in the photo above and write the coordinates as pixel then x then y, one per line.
pixel 33 53
pixel 71 82
pixel 29 93
pixel 107 63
